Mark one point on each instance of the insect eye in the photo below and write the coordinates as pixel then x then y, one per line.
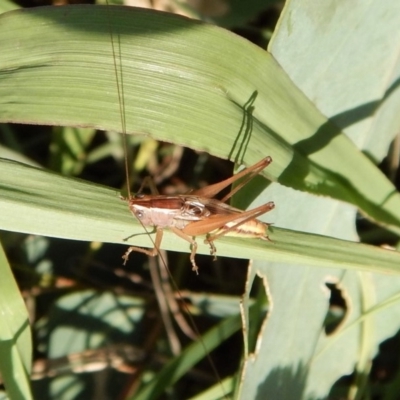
pixel 196 211
pixel 139 196
pixel 139 214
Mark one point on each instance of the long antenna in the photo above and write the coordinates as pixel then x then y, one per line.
pixel 121 98
pixel 121 102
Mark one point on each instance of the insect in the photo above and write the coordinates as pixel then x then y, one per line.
pixel 198 213
pixel 193 214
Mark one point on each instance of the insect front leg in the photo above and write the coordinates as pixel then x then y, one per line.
pixel 152 253
pixel 193 247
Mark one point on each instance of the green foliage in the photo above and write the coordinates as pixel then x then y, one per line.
pixel 197 85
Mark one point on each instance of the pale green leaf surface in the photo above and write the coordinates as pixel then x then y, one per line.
pixel 44 203
pixel 347 63
pixel 373 315
pixel 15 336
pixel 57 67
pixel 299 304
pixel 308 361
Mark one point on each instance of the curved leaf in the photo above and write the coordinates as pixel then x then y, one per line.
pixel 44 203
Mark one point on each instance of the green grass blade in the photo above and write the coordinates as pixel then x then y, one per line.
pixel 15 336
pixel 40 202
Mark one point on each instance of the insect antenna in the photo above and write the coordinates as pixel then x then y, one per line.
pixel 121 98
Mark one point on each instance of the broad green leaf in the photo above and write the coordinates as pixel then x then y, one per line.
pixel 351 71
pixel 333 55
pixel 44 203
pixel 185 82
pixel 309 360
pixel 15 336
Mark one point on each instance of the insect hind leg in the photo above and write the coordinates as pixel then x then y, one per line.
pixel 213 249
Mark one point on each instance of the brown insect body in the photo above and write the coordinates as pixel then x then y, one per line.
pixel 167 211
pixel 197 213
